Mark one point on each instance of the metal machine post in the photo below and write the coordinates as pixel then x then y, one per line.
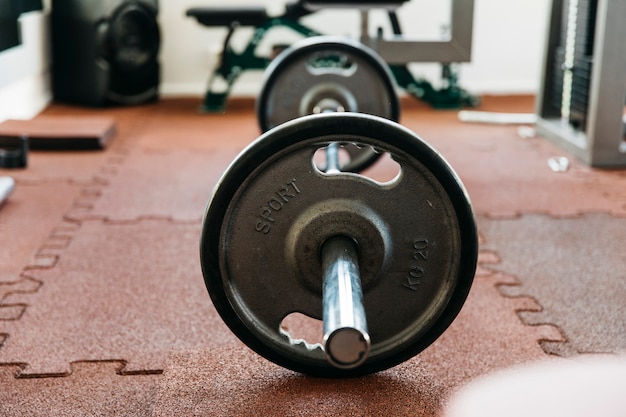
pixel 580 105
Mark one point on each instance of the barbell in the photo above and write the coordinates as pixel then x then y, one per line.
pixel 386 265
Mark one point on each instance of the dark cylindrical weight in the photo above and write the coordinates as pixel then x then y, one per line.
pixel 276 216
pixel 346 339
pixel 328 73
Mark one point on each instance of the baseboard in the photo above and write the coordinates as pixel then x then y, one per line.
pixel 245 88
pixel 501 87
pixel 26 98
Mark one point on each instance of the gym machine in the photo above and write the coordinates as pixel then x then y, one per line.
pixel 581 99
pixel 397 50
pixel 385 265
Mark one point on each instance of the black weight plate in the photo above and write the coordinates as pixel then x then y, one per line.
pixel 322 69
pixel 272 209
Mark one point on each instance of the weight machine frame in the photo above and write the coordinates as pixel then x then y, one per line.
pixel 397 50
pixel 601 142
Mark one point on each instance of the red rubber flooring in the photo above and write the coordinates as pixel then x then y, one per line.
pixel 103 309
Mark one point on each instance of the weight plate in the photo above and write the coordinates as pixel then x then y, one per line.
pixel 273 209
pixel 326 73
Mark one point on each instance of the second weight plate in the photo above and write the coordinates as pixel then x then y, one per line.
pixel 328 74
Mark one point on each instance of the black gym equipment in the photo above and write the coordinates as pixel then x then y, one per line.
pixel 322 74
pixel 398 51
pixel 105 52
pixel 386 265
pixel 14 151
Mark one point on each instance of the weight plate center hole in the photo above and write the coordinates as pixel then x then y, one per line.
pixel 386 172
pixel 320 157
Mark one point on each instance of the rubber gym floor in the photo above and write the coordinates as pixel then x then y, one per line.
pixel 103 309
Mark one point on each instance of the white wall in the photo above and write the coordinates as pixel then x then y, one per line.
pixel 508 42
pixel 25 70
pixel 507 47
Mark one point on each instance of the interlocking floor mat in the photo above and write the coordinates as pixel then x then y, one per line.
pixel 103 309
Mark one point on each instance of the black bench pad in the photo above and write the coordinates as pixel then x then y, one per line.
pixel 225 16
pixel 317 4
